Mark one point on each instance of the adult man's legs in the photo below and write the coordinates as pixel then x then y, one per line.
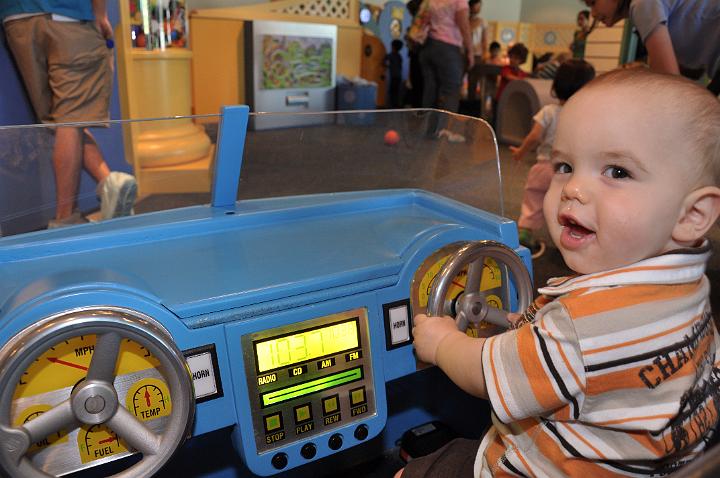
pixel 93 160
pixel 67 162
pixel 116 190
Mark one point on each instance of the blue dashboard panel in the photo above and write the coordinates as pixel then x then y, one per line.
pixel 290 298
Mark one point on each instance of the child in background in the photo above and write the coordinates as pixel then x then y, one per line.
pixel 496 57
pixel 614 371
pixel 517 55
pixel 393 62
pixel 570 77
pixel 580 35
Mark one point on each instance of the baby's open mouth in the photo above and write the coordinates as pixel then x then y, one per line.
pixel 573 232
pixel 576 230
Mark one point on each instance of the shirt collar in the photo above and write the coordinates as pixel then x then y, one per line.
pixel 674 267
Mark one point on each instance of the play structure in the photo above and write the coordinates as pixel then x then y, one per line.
pixel 268 330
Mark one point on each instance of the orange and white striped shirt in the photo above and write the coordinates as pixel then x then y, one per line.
pixel 617 376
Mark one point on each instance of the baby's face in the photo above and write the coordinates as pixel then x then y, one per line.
pixel 621 177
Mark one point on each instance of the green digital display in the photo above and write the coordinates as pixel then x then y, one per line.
pixel 311 386
pixel 296 347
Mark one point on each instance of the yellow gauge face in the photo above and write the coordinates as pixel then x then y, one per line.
pixel 97 442
pixel 148 399
pixel 49 381
pixel 65 364
pixel 491 280
pixel 33 412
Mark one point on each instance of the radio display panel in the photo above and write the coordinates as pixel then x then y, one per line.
pixel 308 378
pixel 291 349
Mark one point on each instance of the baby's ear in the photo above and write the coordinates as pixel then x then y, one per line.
pixel 700 211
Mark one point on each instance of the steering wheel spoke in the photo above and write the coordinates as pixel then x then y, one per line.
pixel 58 418
pixel 134 432
pixel 105 356
pixel 497 317
pixel 461 321
pixel 474 274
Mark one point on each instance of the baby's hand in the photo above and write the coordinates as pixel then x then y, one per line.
pixel 428 332
pixel 513 317
pixel 516 154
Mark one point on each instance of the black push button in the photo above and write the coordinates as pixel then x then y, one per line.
pixel 335 441
pixel 308 450
pixel 361 432
pixel 279 461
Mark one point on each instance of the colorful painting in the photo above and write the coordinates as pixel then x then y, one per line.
pixel 296 62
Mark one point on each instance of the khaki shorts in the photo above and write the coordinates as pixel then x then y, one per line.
pixel 66 67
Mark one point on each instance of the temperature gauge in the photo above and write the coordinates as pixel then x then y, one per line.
pixel 149 399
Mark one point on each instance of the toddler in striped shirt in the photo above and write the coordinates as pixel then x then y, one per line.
pixel 617 373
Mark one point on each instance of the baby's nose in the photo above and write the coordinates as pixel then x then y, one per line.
pixel 573 190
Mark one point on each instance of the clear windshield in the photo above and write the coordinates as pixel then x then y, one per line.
pixel 174 160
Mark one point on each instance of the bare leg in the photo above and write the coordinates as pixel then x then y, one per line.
pixel 93 161
pixel 67 161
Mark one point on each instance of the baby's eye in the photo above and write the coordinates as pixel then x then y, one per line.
pixel 562 168
pixel 616 172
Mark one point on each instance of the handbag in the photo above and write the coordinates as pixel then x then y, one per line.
pixel 420 27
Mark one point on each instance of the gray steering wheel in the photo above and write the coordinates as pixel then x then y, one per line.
pixel 94 400
pixel 471 305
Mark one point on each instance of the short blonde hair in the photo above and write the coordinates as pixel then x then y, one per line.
pixel 696 109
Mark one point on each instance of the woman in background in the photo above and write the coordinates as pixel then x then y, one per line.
pixel 478 31
pixel 444 57
pixel 681 36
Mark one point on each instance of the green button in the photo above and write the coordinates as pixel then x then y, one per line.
pixel 330 404
pixel 273 422
pixel 357 396
pixel 302 413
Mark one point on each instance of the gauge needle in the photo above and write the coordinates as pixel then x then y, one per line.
pixel 147 398
pixel 109 439
pixel 69 364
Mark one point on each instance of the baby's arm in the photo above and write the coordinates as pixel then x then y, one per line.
pixel 438 341
pixel 531 141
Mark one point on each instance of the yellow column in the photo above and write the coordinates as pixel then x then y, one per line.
pixel 162 88
pixel 172 155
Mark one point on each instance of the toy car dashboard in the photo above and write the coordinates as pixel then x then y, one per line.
pixel 280 310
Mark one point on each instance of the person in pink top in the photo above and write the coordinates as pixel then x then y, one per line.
pixel 446 54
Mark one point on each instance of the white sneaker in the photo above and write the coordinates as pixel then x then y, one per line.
pixel 117 195
pixel 451 137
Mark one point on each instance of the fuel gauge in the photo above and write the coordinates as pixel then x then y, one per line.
pixel 98 442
